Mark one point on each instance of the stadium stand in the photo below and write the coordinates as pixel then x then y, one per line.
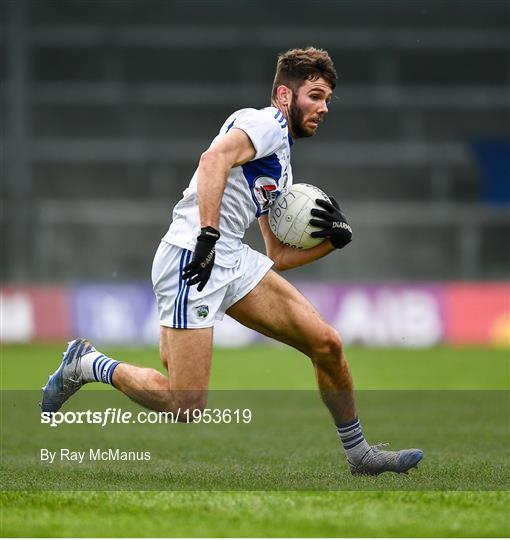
pixel 109 104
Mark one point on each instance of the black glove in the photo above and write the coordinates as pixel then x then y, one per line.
pixel 332 222
pixel 201 265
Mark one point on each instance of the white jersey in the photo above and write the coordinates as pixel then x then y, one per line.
pixel 250 189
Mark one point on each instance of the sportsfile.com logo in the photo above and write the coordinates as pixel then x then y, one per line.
pixel 118 416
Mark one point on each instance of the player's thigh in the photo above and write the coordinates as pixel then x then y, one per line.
pixel 278 310
pixel 187 355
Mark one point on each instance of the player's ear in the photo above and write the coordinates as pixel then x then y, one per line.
pixel 284 94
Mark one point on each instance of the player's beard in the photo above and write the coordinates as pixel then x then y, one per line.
pixel 296 118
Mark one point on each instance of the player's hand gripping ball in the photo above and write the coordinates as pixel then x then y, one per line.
pixel 332 223
pixel 290 217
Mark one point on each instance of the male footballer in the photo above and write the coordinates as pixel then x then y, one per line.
pixel 202 269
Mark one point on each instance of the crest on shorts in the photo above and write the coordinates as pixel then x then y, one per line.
pixel 202 311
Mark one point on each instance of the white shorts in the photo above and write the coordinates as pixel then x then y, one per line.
pixel 182 306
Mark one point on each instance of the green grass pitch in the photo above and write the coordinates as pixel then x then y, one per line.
pixel 428 502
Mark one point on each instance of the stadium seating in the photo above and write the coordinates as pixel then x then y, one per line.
pixel 114 101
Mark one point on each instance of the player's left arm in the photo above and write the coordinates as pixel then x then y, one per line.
pixel 286 257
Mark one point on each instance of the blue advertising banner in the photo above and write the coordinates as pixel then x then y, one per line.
pixel 111 313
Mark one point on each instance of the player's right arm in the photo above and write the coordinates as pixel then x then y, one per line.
pixel 233 149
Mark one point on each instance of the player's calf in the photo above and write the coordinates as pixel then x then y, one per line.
pixel 337 392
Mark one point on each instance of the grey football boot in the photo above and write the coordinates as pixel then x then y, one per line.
pixel 377 461
pixel 68 378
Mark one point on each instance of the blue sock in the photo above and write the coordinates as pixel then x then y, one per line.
pixel 97 367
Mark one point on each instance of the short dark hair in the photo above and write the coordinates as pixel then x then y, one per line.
pixel 296 66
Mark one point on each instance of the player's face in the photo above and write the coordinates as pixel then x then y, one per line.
pixel 308 107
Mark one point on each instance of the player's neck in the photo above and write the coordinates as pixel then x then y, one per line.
pixel 284 109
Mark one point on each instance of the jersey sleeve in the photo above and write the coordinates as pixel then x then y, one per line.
pixel 264 130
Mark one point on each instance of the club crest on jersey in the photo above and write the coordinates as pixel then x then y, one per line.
pixel 202 311
pixel 265 190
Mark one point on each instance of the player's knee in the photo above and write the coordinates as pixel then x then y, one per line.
pixel 190 414
pixel 189 405
pixel 187 413
pixel 328 344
